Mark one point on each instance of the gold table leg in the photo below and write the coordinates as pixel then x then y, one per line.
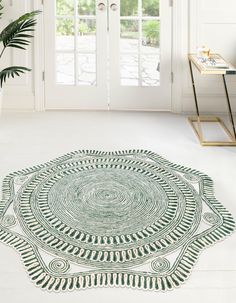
pixel 196 120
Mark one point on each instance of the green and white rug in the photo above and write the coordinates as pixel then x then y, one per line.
pixel 96 219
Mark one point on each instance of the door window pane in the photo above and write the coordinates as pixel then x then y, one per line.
pixel 150 70
pixel 65 7
pixel 87 35
pixel 129 36
pixel 129 70
pixel 86 7
pixel 140 43
pixel 65 69
pixel 87 69
pixel 65 34
pixel 151 7
pixel 151 35
pixel 129 7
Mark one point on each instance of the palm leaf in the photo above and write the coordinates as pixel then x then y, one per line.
pixel 12 72
pixel 17 33
pixel 28 16
pixel 1 8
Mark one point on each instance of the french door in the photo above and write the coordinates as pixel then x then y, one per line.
pixel 108 54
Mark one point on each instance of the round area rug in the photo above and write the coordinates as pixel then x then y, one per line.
pixel 127 218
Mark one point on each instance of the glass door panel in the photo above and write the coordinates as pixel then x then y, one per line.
pixel 76 40
pixel 140 48
pixel 76 60
pixel 139 41
pixel 102 54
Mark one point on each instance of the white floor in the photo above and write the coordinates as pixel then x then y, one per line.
pixel 27 139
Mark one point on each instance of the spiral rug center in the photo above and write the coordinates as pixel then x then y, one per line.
pixel 128 218
pixel 106 201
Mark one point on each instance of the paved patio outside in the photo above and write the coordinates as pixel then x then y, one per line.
pixel 130 74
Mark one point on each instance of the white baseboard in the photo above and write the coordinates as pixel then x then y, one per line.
pixel 18 102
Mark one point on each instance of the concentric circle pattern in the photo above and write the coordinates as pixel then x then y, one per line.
pixel 110 210
pixel 211 218
pixel 59 266
pixel 8 221
pixel 103 216
pixel 160 265
pixel 106 202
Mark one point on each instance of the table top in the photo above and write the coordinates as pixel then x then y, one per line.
pixel 212 70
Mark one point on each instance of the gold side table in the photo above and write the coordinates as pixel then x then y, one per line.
pixel 195 121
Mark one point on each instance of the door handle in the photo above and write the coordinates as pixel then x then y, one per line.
pixel 114 7
pixel 102 6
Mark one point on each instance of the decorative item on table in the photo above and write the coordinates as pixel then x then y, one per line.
pixel 203 52
pixel 215 61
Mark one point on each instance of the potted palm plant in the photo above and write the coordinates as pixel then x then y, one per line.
pixel 16 35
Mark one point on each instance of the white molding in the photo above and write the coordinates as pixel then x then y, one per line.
pixel 180 32
pixel 188 19
pixel 17 99
pixel 179 39
pixel 39 59
pixel 179 44
pixel 18 92
pixel 193 36
pixel 186 30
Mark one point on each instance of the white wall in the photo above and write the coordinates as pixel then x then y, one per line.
pixel 196 22
pixel 22 87
pixel 20 93
pixel 212 23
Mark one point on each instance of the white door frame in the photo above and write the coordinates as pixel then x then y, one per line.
pixel 180 39
pixel 83 96
pixel 135 97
